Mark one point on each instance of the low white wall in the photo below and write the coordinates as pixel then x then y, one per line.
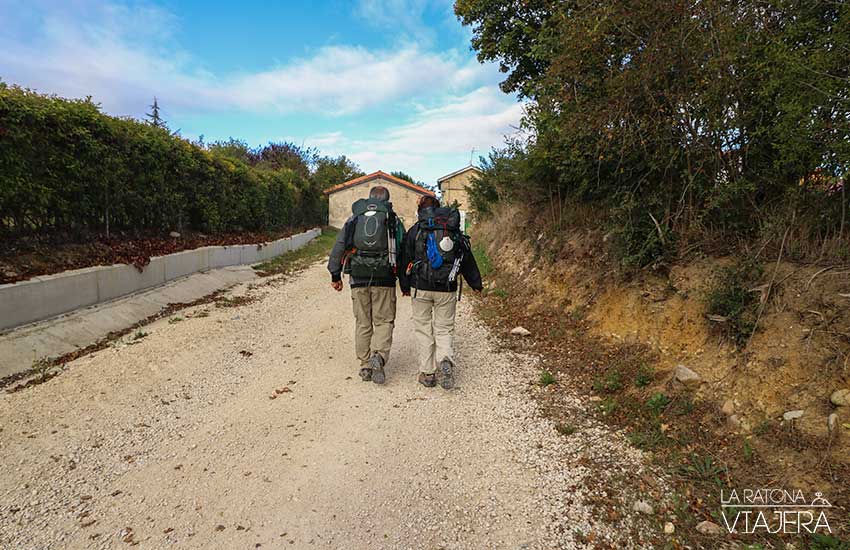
pixel 50 295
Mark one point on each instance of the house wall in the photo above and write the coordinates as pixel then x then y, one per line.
pixel 404 201
pixel 455 188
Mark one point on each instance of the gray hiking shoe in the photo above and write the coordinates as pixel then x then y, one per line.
pixel 427 380
pixel 447 376
pixel 376 363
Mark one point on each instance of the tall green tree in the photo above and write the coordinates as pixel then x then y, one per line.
pixel 154 118
pixel 679 115
pixel 331 171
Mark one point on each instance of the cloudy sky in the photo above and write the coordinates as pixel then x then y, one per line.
pixel 390 83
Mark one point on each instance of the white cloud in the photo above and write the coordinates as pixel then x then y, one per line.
pixel 123 57
pixel 404 17
pixel 478 120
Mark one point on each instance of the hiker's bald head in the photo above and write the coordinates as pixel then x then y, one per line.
pixel 379 193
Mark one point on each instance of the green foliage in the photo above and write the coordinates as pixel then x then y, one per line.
pixel 67 168
pixel 683 405
pixel 657 403
pixel 648 439
pixel 679 120
pixel 500 292
pixel 730 297
pixel 609 406
pixel 644 376
pixel 154 118
pixel 748 451
pixel 610 382
pixel 332 171
pixel 407 177
pixel 485 266
pixel 546 378
pixel 703 468
pixel 565 428
pixel 301 258
pixel 827 542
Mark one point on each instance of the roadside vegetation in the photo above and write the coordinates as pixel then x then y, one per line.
pixel 675 128
pixel 684 434
pixel 301 258
pixel 81 188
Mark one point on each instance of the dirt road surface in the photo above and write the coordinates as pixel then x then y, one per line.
pixel 171 439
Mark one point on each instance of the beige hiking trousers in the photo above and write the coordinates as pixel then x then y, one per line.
pixel 434 325
pixel 374 320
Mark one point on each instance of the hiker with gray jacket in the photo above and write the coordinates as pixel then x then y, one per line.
pixel 367 248
pixel 436 255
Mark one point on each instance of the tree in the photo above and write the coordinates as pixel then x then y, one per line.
pixel 276 156
pixel 233 148
pixel 331 171
pixel 673 115
pixel 154 118
pixel 407 177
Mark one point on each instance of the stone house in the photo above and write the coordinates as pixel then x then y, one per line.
pixel 403 194
pixel 454 186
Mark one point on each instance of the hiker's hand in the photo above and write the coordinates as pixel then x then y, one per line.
pixel 336 285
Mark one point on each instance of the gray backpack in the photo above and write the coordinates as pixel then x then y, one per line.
pixel 373 240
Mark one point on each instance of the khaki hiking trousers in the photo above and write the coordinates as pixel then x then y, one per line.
pixel 374 320
pixel 434 325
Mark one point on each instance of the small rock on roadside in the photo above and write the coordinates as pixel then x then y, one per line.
pixel 832 422
pixel 792 415
pixel 669 528
pixel 728 407
pixel 643 507
pixel 709 528
pixel 841 398
pixel 126 534
pixel 686 376
pixel 520 331
pixel 174 234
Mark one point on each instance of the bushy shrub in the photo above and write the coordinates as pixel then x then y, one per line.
pixel 732 300
pixel 65 167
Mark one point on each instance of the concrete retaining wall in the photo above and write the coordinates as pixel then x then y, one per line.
pixel 50 295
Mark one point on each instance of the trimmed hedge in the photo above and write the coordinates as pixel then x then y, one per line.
pixel 65 167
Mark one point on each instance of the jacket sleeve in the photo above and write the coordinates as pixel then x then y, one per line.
pixel 407 255
pixel 401 262
pixel 337 252
pixel 469 268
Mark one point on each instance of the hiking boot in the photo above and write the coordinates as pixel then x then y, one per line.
pixel 427 380
pixel 447 376
pixel 366 374
pixel 376 363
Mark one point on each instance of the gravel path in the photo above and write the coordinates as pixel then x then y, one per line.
pixel 173 439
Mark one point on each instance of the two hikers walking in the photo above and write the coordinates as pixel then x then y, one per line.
pixel 430 258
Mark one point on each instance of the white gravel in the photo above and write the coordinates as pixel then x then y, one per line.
pixel 175 441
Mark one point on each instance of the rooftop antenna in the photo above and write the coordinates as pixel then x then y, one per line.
pixel 471 154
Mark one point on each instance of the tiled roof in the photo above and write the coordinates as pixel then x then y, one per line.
pixel 376 175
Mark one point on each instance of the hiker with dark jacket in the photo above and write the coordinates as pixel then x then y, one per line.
pixel 367 249
pixel 436 254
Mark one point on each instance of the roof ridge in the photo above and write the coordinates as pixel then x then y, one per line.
pixel 379 173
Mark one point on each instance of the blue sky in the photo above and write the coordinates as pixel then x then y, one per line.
pixel 390 83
